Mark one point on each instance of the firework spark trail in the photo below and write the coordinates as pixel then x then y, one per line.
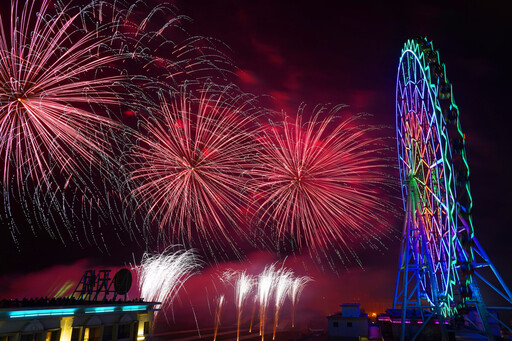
pixel 160 276
pixel 296 288
pixel 192 163
pixel 270 283
pixel 159 40
pixel 283 281
pixel 318 180
pixel 217 316
pixel 266 282
pixel 253 310
pixel 195 319
pixel 243 284
pixel 243 288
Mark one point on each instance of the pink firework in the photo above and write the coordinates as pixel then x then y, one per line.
pixel 192 161
pixel 52 92
pixel 155 36
pixel 317 179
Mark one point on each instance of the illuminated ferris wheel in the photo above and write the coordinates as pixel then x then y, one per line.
pixel 441 259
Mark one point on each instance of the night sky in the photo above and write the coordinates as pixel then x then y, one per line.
pixel 334 52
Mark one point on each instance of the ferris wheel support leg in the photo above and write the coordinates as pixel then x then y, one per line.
pixel 482 312
pixel 500 322
pixel 442 327
pixel 405 292
pixel 425 323
pixel 486 258
pixel 504 291
pixel 404 312
pixel 404 264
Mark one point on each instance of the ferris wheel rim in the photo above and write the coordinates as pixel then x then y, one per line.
pixel 446 277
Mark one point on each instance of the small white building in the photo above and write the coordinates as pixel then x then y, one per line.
pixel 349 324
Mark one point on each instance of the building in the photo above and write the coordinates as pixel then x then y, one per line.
pixel 427 326
pixel 349 324
pixel 73 320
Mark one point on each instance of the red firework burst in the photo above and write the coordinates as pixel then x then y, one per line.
pixel 192 163
pixel 46 115
pixel 316 179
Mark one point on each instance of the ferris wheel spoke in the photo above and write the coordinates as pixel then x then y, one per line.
pixel 430 126
pixel 435 164
pixel 407 165
pixel 441 202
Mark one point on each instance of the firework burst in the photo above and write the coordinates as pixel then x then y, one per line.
pixel 317 180
pixel 191 164
pixel 61 89
pixel 69 75
pixel 52 90
pixel 161 276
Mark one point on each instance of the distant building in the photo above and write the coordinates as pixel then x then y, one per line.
pixel 349 324
pixel 84 321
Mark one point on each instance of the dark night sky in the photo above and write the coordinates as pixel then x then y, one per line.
pixel 317 52
pixel 347 52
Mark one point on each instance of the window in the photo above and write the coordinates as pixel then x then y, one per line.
pixel 75 334
pixel 335 324
pixel 13 337
pixel 123 331
pixel 32 337
pixel 53 335
pixel 146 327
pixel 134 330
pixel 94 334
pixel 349 324
pixel 107 333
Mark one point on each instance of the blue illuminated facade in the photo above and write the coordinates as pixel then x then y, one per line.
pixel 95 321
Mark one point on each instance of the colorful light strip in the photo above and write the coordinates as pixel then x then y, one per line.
pixel 99 310
pixel 74 311
pixel 41 312
pixel 135 307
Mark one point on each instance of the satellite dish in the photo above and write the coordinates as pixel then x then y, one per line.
pixel 122 281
